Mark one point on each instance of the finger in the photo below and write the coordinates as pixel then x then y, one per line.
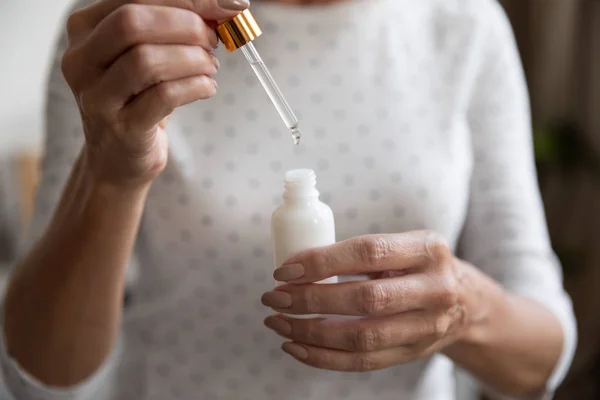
pixel 365 255
pixel 148 65
pixel 154 104
pixel 361 335
pixel 339 360
pixel 136 24
pixel 88 18
pixel 374 298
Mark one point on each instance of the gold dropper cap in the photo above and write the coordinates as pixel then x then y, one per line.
pixel 238 31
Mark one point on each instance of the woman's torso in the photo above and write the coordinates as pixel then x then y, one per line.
pixel 379 87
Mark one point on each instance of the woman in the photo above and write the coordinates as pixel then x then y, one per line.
pixel 415 118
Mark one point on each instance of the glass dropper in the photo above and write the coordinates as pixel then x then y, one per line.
pixel 263 74
pixel 238 33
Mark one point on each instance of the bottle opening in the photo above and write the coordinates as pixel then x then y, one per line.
pixel 300 182
pixel 300 177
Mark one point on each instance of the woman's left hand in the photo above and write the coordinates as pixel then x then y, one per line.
pixel 417 302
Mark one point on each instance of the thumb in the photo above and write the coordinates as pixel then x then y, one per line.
pixel 207 9
pixel 219 10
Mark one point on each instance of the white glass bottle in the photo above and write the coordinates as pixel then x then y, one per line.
pixel 303 221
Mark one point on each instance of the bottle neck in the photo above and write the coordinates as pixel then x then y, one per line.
pixel 296 197
pixel 300 187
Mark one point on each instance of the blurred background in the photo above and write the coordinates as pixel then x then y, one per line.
pixel 559 42
pixel 27 31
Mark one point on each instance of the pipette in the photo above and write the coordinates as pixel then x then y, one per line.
pixel 238 33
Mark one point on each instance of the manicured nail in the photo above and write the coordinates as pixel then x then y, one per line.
pixel 289 272
pixel 237 5
pixel 215 61
pixel 213 39
pixel 295 350
pixel 277 299
pixel 279 325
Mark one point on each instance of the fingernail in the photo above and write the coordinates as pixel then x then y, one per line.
pixel 279 325
pixel 277 299
pixel 238 5
pixel 289 272
pixel 216 84
pixel 216 61
pixel 295 350
pixel 214 40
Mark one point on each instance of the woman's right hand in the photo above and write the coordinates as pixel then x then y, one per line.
pixel 130 63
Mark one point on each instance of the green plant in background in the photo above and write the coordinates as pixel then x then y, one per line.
pixel 563 147
pixel 546 147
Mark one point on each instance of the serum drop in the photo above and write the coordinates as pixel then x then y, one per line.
pixel 302 222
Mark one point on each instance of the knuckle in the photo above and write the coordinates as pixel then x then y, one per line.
pixel 75 23
pixel 363 340
pixel 198 31
pixel 317 262
pixel 373 299
pixel 203 61
pixel 449 295
pixel 436 247
pixel 129 21
pixel 141 59
pixel 311 334
pixel 166 95
pixel 308 301
pixel 372 249
pixel 367 339
pixel 364 362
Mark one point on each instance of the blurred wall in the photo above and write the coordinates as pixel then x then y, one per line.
pixel 560 45
pixel 27 31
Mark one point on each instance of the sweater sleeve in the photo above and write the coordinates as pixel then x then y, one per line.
pixel 505 233
pixel 19 385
